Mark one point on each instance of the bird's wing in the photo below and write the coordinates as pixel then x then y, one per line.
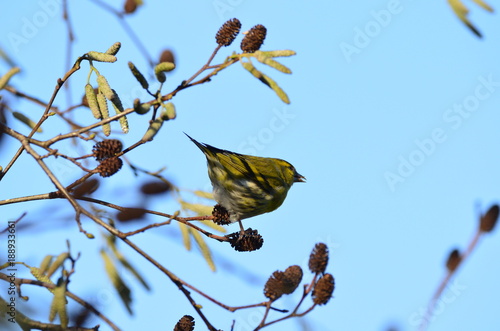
pixel 244 169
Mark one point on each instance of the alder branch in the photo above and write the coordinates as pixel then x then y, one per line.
pixel 487 223
pixel 45 115
pixel 83 303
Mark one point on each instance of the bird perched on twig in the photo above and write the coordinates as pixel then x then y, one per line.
pixel 248 185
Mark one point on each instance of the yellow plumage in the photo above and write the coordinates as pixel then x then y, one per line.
pixel 248 185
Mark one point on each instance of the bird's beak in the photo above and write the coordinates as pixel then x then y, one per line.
pixel 299 178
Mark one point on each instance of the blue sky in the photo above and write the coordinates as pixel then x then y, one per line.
pixel 393 121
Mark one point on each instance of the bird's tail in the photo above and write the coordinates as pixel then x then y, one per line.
pixel 206 149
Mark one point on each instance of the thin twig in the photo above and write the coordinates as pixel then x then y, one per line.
pixel 121 19
pixel 59 195
pixel 35 197
pixel 28 97
pixel 15 222
pixel 184 220
pixel 179 282
pixel 59 83
pixel 204 67
pixel 205 79
pixel 69 294
pixel 39 102
pixel 69 45
pixel 77 133
pixel 445 281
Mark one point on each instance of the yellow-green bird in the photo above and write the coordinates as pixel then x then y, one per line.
pixel 248 185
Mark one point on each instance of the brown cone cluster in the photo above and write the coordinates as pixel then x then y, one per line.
pixel 318 258
pixel 283 282
pixel 454 260
pixel 292 278
pixel 130 6
pixel 104 152
pixel 110 166
pixel 286 282
pixel 254 39
pixel 228 32
pixel 273 289
pixel 107 148
pixel 489 220
pixel 323 289
pixel 251 240
pixel 186 323
pixel 221 215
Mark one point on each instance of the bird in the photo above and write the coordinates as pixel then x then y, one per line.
pixel 245 185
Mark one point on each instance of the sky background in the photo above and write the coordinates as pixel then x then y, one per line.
pixel 393 121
